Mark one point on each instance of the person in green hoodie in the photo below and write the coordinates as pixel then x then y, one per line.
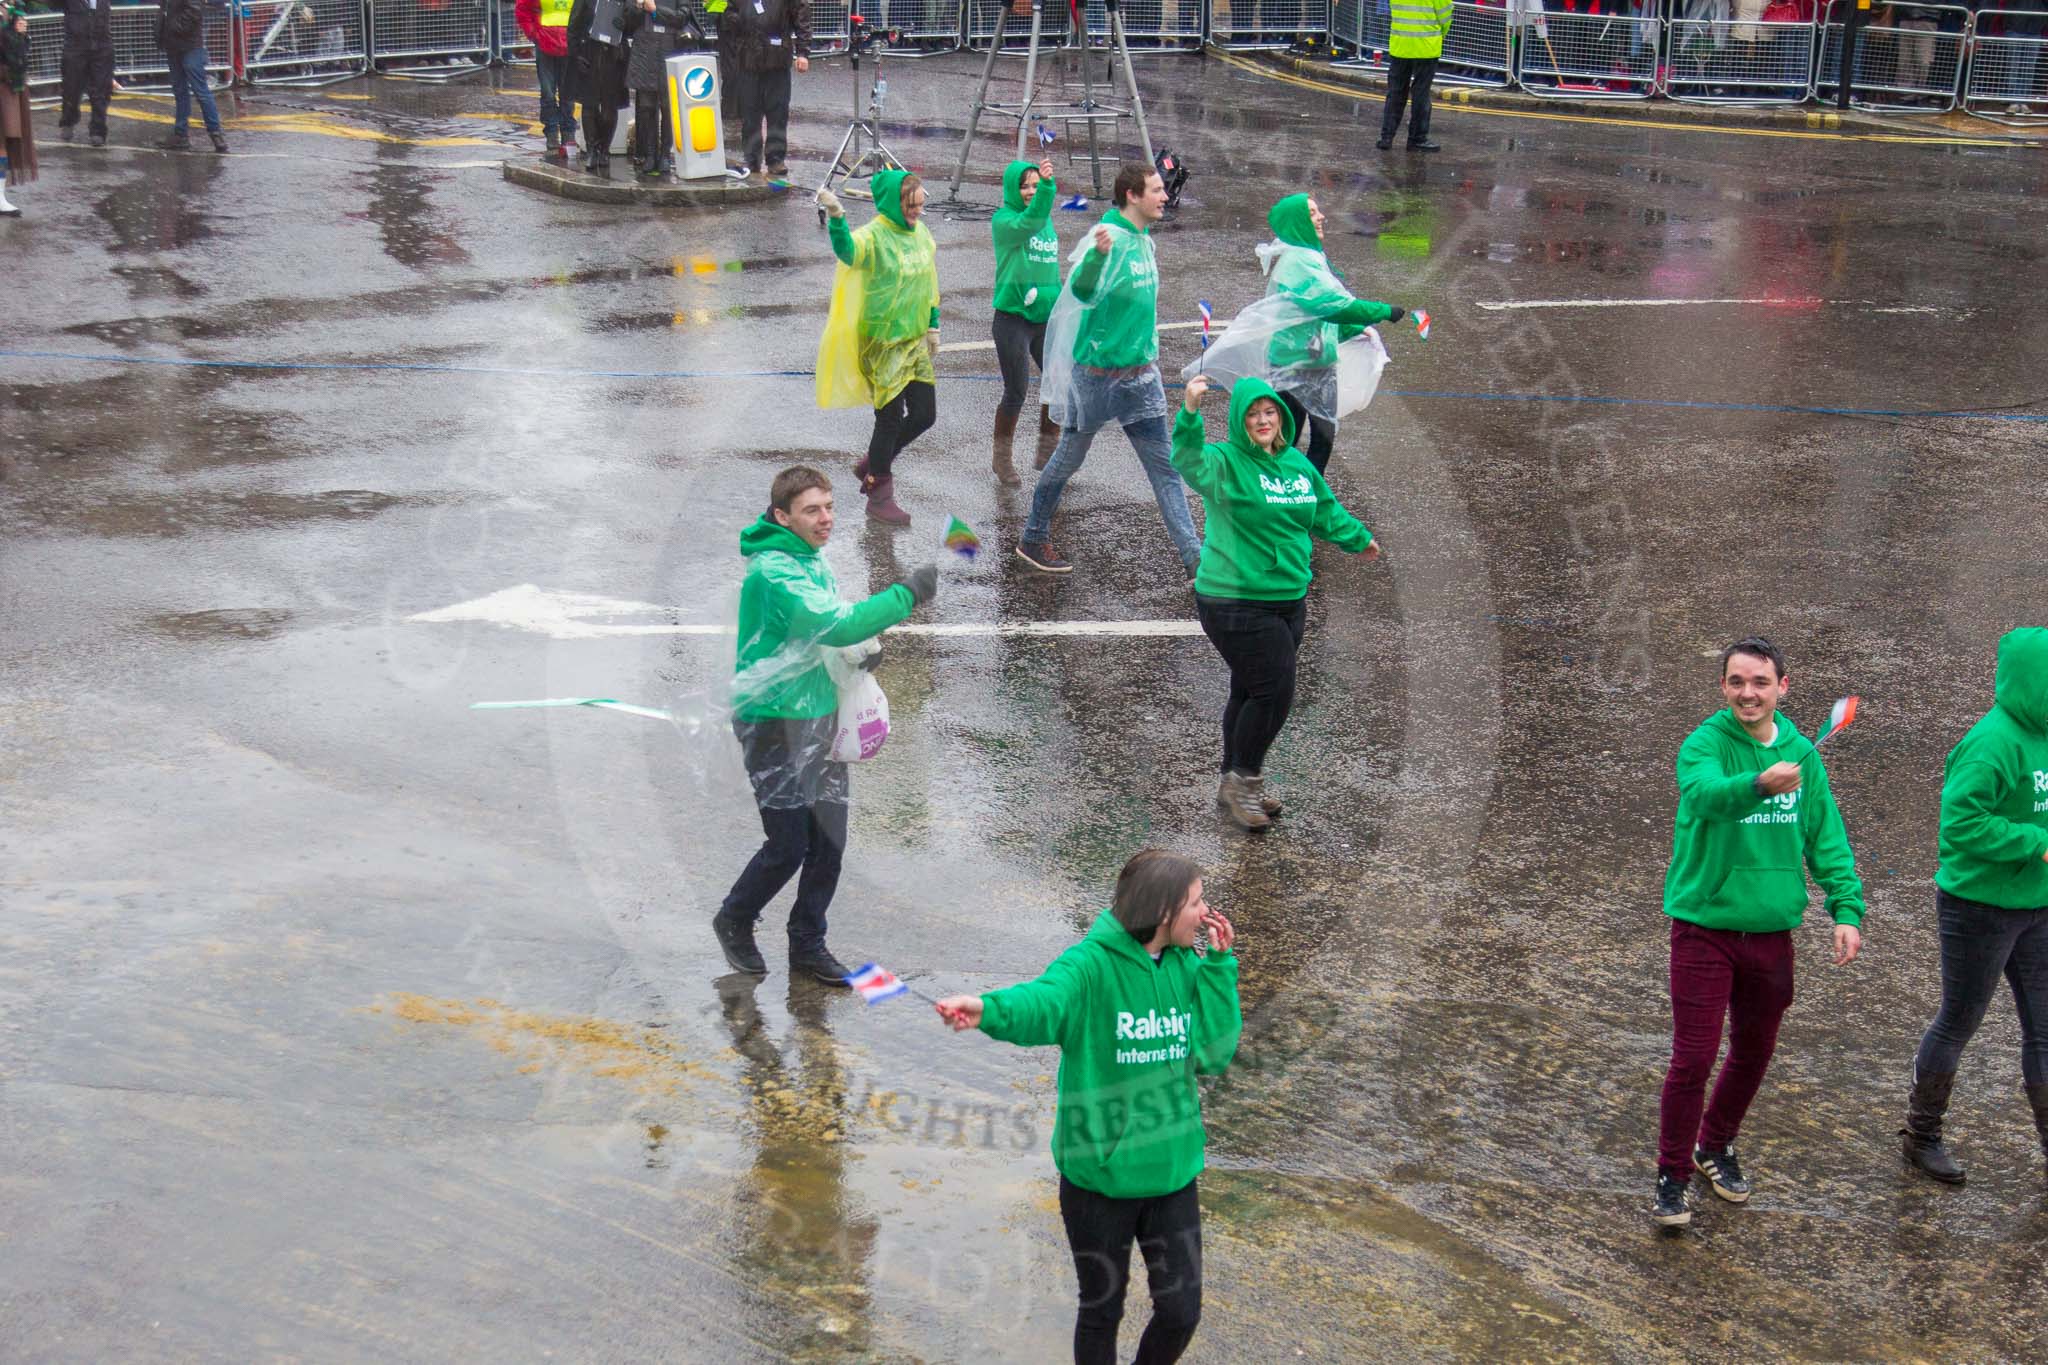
pixel 1138 1009
pixel 1754 809
pixel 1027 283
pixel 883 332
pixel 785 713
pixel 1306 354
pixel 1264 504
pixel 1991 896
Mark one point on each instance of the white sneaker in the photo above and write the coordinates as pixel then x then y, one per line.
pixel 7 210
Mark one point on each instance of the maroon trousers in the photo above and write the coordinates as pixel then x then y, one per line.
pixel 1719 974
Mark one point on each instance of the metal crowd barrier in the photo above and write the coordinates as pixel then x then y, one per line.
pixel 45 56
pixel 1250 24
pixel 828 24
pixel 1897 68
pixel 2008 75
pixel 1156 24
pixel 927 23
pixel 1589 56
pixel 303 42
pixel 981 25
pixel 1711 61
pixel 510 45
pixel 140 65
pixel 1477 50
pixel 1364 27
pixel 441 39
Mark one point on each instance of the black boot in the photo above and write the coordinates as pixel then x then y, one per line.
pixel 2037 1095
pixel 819 963
pixel 1920 1139
pixel 736 941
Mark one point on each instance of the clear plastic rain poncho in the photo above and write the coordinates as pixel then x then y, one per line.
pixel 882 305
pixel 1086 402
pixel 1287 340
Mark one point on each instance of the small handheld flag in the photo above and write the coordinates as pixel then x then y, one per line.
pixel 1422 323
pixel 1045 136
pixel 875 983
pixel 961 540
pixel 1839 717
pixel 1078 202
pixel 1206 317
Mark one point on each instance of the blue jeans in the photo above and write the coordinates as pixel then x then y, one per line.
pixel 1979 945
pixel 188 82
pixel 1149 437
pixel 555 112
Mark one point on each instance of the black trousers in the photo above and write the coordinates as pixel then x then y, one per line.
pixel 88 72
pixel 898 422
pixel 802 798
pixel 1020 345
pixel 1322 434
pixel 1259 642
pixel 1408 78
pixel 763 96
pixel 600 121
pixel 652 136
pixel 1168 1231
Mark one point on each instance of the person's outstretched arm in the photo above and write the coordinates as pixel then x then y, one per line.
pixel 1033 1014
pixel 816 614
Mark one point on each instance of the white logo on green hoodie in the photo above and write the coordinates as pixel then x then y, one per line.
pixel 2040 785
pixel 1151 1026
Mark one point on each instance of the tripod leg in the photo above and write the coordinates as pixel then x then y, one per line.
pixel 1123 52
pixel 988 69
pixel 1030 74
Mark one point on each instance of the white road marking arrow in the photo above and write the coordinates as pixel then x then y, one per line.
pixel 585 616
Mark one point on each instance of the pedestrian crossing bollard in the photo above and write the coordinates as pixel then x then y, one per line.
pixel 693 106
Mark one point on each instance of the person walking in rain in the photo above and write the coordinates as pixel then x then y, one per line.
pixel 1990 897
pixel 17 119
pixel 181 33
pixel 1027 283
pixel 1138 1009
pixel 786 714
pixel 1264 504
pixel 88 67
pixel 882 333
pixel 1102 366
pixel 1415 41
pixel 1755 814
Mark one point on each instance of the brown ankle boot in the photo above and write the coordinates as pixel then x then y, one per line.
pixel 882 502
pixel 1241 801
pixel 2037 1096
pixel 1005 439
pixel 1048 437
pixel 1267 803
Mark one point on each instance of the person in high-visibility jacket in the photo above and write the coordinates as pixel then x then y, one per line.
pixel 1413 46
pixel 546 25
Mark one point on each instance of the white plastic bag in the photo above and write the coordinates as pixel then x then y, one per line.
pixel 863 708
pixel 1359 362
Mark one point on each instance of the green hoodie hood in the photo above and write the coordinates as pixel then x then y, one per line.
pixel 1291 224
pixel 770 534
pixel 1013 185
pixel 888 190
pixel 1133 1034
pixel 790 613
pixel 1243 394
pixel 1994 791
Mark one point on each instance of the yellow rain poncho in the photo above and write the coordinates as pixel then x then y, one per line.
pixel 885 296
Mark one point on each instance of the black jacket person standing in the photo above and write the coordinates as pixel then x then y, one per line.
pixel 758 42
pixel 597 73
pixel 88 66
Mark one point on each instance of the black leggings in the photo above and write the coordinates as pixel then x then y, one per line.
pixel 1322 433
pixel 1259 641
pixel 650 129
pixel 600 121
pixel 898 422
pixel 1016 340
pixel 1168 1231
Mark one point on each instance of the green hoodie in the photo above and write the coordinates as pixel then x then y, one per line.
pixel 1994 795
pixel 1260 509
pixel 1027 247
pixel 1304 277
pixel 1133 1034
pixel 890 311
pixel 1735 855
pixel 1120 328
pixel 789 611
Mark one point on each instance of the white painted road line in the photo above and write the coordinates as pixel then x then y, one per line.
pixel 1505 305
pixel 584 616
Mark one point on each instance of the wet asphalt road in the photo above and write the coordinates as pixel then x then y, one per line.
pixel 340 1022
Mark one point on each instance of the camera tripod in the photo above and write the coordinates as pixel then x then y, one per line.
pixel 1089 111
pixel 862 151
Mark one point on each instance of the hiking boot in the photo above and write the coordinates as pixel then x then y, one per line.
pixel 1723 1173
pixel 220 142
pixel 1048 437
pixel 2037 1096
pixel 1268 804
pixel 1041 557
pixel 882 502
pixel 1001 461
pixel 1243 800
pixel 176 142
pixel 1670 1210
pixel 736 941
pixel 822 965
pixel 1920 1140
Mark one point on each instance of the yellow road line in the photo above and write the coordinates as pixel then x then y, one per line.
pixel 311 122
pixel 1353 92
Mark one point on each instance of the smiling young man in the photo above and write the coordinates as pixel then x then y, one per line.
pixel 1754 816
pixel 786 713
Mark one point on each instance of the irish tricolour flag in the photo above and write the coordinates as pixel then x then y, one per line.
pixel 876 983
pixel 1838 719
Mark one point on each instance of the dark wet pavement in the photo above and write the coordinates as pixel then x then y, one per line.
pixel 338 1021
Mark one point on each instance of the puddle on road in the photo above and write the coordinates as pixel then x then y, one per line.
pixel 226 623
pixel 604 1047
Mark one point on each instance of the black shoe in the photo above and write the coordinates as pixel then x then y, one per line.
pixel 220 142
pixel 1723 1173
pixel 822 965
pixel 1425 146
pixel 96 139
pixel 1385 144
pixel 1670 1210
pixel 554 141
pixel 66 131
pixel 1042 558
pixel 736 941
pixel 778 171
pixel 176 142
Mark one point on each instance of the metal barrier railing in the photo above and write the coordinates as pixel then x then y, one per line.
pixel 1589 56
pixel 509 46
pixel 1710 61
pixel 828 24
pixel 140 64
pixel 1363 26
pixel 981 25
pixel 442 38
pixel 1249 24
pixel 1153 24
pixel 45 56
pixel 303 42
pixel 933 25
pixel 2008 77
pixel 1477 50
pixel 1909 64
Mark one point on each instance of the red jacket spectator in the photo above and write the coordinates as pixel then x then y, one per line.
pixel 553 41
